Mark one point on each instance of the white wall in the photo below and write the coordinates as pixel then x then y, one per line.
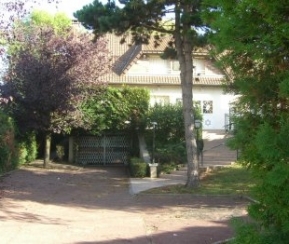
pixel 152 65
pixel 221 102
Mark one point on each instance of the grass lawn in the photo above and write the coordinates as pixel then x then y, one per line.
pixel 231 180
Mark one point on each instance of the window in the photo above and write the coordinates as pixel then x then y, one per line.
pixel 175 65
pixel 207 107
pixel 199 67
pixel 162 100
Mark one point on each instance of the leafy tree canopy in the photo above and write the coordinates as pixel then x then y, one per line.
pixel 48 74
pixel 59 22
pixel 110 109
pixel 251 41
pixel 49 77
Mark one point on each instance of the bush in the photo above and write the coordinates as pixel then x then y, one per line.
pixel 254 232
pixel 174 152
pixel 167 168
pixel 169 133
pixel 31 146
pixel 26 148
pixel 138 168
pixel 21 153
pixel 7 141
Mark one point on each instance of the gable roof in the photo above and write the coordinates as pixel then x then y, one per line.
pixel 126 59
pixel 124 55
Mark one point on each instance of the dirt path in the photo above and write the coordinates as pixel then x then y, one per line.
pixel 93 205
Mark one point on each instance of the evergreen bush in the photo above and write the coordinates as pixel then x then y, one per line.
pixel 7 142
pixel 138 168
pixel 31 147
pixel 22 153
pixel 169 133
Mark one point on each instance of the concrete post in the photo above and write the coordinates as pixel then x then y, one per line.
pixel 153 170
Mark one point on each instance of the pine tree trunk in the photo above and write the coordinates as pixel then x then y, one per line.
pixel 184 47
pixel 191 147
pixel 47 150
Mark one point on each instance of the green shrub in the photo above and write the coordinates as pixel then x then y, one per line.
pixel 254 232
pixel 26 148
pixel 138 168
pixel 169 133
pixel 4 156
pixel 167 168
pixel 7 141
pixel 22 153
pixel 168 153
pixel 114 106
pixel 31 147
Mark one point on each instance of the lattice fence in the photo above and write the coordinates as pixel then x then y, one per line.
pixel 105 150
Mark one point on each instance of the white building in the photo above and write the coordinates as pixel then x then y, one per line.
pixel 142 66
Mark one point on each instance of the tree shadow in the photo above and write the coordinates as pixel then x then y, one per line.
pixel 188 235
pixel 49 197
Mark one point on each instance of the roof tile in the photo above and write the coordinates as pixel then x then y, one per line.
pixel 126 53
pixel 160 80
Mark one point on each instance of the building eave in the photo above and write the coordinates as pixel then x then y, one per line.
pixel 113 79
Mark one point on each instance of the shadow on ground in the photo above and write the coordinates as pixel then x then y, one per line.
pixel 93 205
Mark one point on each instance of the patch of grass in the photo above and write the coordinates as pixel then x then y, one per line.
pixel 231 180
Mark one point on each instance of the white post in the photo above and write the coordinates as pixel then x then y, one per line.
pixel 153 170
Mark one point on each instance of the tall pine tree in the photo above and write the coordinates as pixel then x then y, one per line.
pixel 144 19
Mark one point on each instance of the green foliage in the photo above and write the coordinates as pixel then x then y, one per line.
pixel 31 145
pixel 231 180
pixel 7 149
pixel 147 26
pixel 59 67
pixel 110 108
pixel 169 120
pixel 169 133
pixel 26 148
pixel 251 232
pixel 251 41
pixel 14 152
pixel 247 233
pixel 22 153
pixel 170 152
pixel 138 168
pixel 166 168
pixel 108 17
pixel 60 22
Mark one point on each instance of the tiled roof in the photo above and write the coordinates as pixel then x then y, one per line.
pixel 114 45
pixel 118 49
pixel 159 48
pixel 125 60
pixel 125 54
pixel 160 80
